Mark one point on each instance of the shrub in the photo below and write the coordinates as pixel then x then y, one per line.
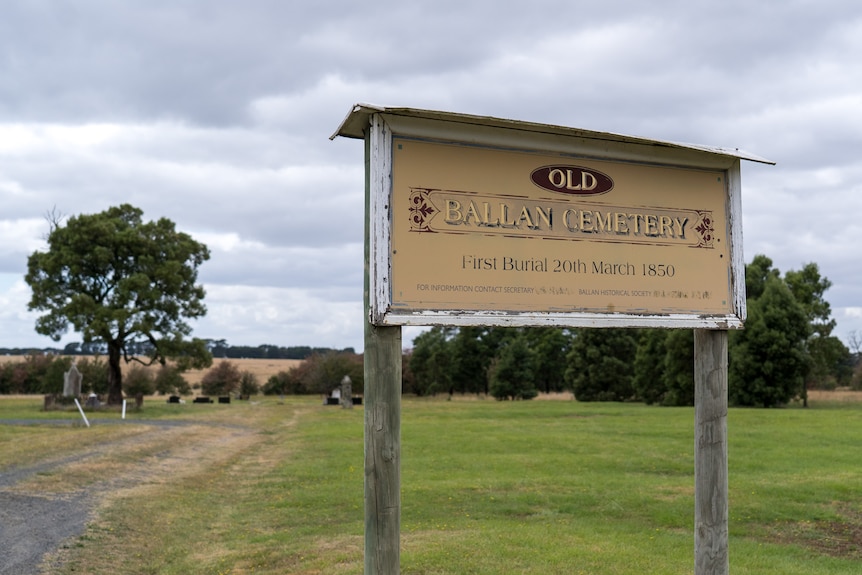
pixel 6 378
pixel 513 372
pixel 54 375
pixel 248 384
pixel 20 379
pixel 600 365
pixel 35 374
pixel 138 380
pixel 222 379
pixel 321 373
pixel 169 380
pixel 285 383
pixel 94 375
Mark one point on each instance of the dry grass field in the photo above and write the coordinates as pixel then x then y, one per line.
pixel 262 368
pixel 840 395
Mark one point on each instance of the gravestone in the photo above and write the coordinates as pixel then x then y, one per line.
pixel 346 393
pixel 334 397
pixel 72 382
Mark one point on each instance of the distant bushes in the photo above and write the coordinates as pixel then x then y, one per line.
pixel 34 374
pixel 44 374
pixel 217 347
pixel 138 381
pixel 319 374
pixel 226 378
pixel 222 379
pixel 170 381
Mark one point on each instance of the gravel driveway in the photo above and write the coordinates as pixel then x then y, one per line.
pixel 33 525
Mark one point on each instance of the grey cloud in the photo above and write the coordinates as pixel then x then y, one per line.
pixel 217 115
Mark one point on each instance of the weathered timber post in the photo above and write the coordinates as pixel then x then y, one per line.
pixel 382 369
pixel 710 453
pixel 382 450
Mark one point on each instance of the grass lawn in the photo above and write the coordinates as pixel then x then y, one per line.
pixel 537 487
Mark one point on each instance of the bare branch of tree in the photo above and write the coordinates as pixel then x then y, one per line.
pixel 855 341
pixel 55 218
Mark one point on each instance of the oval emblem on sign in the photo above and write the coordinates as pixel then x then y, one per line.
pixel 572 180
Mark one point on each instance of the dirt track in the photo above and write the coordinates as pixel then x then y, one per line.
pixel 40 510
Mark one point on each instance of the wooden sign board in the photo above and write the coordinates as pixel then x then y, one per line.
pixel 481 221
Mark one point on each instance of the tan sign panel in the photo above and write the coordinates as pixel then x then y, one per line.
pixel 479 229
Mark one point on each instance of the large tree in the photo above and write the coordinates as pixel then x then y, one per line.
pixel 431 361
pixel 549 345
pixel 122 281
pixel 514 372
pixel 600 364
pixel 768 362
pixel 679 367
pixel 830 358
pixel 470 360
pixel 648 381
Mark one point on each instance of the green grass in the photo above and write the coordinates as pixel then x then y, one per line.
pixel 488 487
pixel 31 408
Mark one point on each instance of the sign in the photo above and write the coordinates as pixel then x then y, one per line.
pixel 483 221
pixel 480 221
pixel 476 228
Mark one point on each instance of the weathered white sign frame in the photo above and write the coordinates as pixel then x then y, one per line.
pixel 382 125
pixel 377 126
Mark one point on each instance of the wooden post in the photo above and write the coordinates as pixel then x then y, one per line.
pixel 710 453
pixel 382 369
pixel 382 450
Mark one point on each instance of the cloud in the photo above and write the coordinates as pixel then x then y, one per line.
pixel 18 323
pixel 252 263
pixel 217 115
pixel 203 178
pixel 18 239
pixel 248 315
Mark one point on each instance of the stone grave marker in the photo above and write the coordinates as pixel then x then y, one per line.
pixel 346 393
pixel 72 382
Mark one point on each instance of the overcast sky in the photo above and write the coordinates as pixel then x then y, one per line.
pixel 217 114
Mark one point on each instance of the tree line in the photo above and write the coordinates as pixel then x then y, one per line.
pixel 219 348
pixel 130 288
pixel 318 374
pixel 786 348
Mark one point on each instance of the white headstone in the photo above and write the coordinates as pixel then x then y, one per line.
pixel 72 382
